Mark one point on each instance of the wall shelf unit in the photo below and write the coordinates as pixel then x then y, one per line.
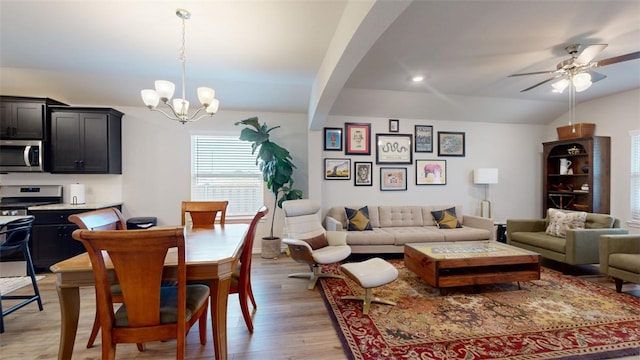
pixel 586 186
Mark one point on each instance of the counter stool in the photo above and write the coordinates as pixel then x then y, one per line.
pixel 369 274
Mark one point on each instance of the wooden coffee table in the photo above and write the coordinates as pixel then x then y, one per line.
pixel 463 263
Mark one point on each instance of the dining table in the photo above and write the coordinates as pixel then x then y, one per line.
pixel 211 255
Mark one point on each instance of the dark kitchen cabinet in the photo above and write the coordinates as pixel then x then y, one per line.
pixel 51 240
pixel 86 140
pixel 24 118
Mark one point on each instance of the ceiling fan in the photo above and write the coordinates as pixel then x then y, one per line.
pixel 578 70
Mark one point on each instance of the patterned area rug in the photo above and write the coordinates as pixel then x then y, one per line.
pixel 557 316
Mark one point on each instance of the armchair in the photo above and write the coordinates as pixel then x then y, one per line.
pixel 309 243
pixel 620 258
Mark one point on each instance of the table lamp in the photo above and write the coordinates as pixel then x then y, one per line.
pixel 485 176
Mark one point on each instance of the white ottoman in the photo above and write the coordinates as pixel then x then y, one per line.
pixel 370 274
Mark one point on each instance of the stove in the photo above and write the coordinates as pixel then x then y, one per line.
pixel 15 199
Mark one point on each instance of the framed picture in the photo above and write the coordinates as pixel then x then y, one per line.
pixel 333 139
pixel 362 171
pixel 394 149
pixel 394 125
pixel 393 179
pixel 450 143
pixel 337 169
pixel 358 139
pixel 424 138
pixel 431 172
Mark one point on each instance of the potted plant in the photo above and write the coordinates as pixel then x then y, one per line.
pixel 277 168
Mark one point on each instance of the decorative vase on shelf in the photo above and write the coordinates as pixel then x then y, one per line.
pixel 585 169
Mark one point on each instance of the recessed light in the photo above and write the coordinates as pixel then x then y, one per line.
pixel 418 78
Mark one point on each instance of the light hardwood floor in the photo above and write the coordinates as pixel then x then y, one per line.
pixel 291 322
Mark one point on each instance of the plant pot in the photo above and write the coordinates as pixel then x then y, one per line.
pixel 271 247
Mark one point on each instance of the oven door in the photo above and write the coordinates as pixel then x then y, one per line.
pixel 21 156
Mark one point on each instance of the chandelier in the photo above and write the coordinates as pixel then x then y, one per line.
pixel 180 107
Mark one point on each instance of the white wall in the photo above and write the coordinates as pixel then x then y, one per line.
pixel 614 116
pixel 514 149
pixel 156 163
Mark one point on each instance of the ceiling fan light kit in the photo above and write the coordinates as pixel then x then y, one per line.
pixel 180 106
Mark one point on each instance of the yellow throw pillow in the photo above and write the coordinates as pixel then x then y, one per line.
pixel 446 219
pixel 358 219
pixel 560 222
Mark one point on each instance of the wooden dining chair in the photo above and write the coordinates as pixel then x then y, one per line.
pixel 241 277
pixel 102 219
pixel 150 311
pixel 203 213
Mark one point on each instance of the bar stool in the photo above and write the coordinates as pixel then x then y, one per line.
pixel 17 234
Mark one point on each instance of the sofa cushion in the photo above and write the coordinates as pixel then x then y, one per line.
pixel 338 213
pixel 560 222
pixel 541 240
pixel 446 219
pixel 465 233
pixel 377 236
pixel 393 216
pixel 358 219
pixel 599 221
pixel 414 234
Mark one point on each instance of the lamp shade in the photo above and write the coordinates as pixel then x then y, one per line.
pixel 485 176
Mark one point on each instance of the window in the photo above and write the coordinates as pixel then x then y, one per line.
pixel 223 168
pixel 635 177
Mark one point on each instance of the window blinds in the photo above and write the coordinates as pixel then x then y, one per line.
pixel 223 168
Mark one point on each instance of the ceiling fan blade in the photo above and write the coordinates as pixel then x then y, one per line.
pixel 534 73
pixel 543 82
pixel 596 76
pixel 589 53
pixel 617 59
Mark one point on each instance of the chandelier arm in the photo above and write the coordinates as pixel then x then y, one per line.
pixel 167 115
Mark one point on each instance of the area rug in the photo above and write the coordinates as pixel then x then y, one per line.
pixel 557 316
pixel 12 283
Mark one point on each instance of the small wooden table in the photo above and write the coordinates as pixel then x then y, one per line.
pixel 210 255
pixel 471 263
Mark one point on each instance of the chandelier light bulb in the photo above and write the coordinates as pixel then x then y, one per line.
pixel 206 95
pixel 150 98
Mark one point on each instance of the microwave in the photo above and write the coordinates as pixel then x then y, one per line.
pixel 21 156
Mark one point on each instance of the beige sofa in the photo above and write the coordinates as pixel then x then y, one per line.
pixel 394 226
pixel 578 247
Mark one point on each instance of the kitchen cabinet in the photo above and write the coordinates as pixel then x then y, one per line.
pixel 51 239
pixel 24 118
pixel 86 140
pixel 577 174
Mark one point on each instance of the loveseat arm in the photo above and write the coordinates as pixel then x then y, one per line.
pixel 336 238
pixel 479 223
pixel 617 244
pixel 332 224
pixel 524 225
pixel 582 245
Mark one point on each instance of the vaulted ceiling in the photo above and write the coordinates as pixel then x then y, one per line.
pixel 322 57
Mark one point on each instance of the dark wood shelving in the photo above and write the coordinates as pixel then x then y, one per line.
pixel 590 166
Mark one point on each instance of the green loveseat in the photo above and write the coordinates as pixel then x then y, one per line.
pixel 578 247
pixel 620 258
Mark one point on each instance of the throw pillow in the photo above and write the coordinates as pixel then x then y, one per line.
pixel 446 219
pixel 317 242
pixel 560 222
pixel 358 219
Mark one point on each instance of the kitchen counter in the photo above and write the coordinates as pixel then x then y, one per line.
pixel 86 206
